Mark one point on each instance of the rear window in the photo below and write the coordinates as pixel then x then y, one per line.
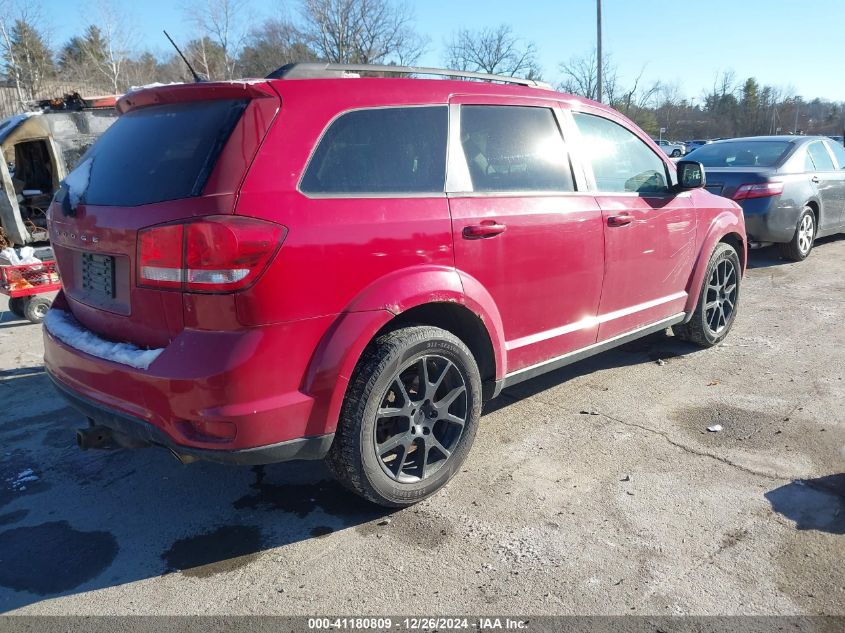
pixel 741 153
pixel 159 153
pixel 383 150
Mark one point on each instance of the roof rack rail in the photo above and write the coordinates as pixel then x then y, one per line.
pixel 317 70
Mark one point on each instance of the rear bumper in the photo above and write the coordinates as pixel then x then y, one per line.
pixel 769 219
pixel 142 433
pixel 245 383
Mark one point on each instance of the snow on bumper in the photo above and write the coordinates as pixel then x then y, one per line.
pixel 64 327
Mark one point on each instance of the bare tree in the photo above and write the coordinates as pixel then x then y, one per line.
pixel 362 31
pixel 493 50
pixel 106 45
pixel 638 97
pixel 581 76
pixel 222 23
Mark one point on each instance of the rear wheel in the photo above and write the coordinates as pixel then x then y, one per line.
pixel 16 305
pixel 676 153
pixel 717 304
pixel 409 417
pixel 36 308
pixel 805 236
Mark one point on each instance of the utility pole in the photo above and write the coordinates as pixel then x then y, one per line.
pixel 598 51
pixel 797 110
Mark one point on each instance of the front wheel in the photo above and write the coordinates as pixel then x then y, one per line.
pixel 409 418
pixel 676 153
pixel 802 242
pixel 717 304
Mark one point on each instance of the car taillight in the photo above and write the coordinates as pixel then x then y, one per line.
pixel 213 254
pixel 758 190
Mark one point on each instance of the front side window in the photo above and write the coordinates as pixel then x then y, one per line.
pixel 383 150
pixel 514 148
pixel 621 161
pixel 821 159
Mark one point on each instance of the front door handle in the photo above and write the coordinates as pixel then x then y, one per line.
pixel 488 228
pixel 815 179
pixel 620 220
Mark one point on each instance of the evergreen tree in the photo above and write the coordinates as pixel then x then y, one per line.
pixel 28 59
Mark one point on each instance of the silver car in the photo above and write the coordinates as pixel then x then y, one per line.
pixel 791 188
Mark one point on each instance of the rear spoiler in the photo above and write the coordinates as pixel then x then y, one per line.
pixel 205 91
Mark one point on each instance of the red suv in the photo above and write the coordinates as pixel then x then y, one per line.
pixel 324 265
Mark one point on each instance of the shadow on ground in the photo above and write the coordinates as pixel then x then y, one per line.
pixel 770 256
pixel 74 521
pixel 656 348
pixel 814 504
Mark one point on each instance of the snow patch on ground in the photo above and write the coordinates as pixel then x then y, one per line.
pixel 22 478
pixel 64 327
pixel 77 181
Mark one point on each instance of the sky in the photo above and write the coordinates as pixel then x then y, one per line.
pixel 786 43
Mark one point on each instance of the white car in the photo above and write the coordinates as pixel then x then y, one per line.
pixel 672 149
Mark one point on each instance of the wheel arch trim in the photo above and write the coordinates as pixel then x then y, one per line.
pixel 371 311
pixel 725 225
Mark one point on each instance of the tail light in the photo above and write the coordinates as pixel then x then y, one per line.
pixel 758 190
pixel 213 254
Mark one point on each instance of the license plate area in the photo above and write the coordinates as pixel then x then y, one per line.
pixel 98 275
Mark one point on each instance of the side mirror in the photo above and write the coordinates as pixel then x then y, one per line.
pixel 690 175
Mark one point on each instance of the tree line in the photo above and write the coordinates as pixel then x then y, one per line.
pixel 227 43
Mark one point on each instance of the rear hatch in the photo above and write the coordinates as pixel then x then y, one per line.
pixel 177 153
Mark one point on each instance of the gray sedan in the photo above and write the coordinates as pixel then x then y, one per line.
pixel 791 188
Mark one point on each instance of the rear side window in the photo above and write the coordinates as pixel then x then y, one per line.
pixel 621 161
pixel 821 159
pixel 514 148
pixel 159 153
pixel 383 150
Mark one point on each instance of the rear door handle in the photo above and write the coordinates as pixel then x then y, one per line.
pixel 488 228
pixel 620 220
pixel 815 179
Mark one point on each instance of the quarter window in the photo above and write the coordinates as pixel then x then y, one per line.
pixel 383 150
pixel 838 151
pixel 621 161
pixel 514 148
pixel 821 158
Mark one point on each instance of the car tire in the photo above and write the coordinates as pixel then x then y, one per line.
pixel 36 309
pixel 799 247
pixel 409 417
pixel 718 301
pixel 676 153
pixel 16 306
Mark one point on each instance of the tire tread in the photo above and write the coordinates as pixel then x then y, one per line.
pixel 343 459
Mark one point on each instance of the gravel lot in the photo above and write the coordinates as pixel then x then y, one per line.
pixel 593 490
